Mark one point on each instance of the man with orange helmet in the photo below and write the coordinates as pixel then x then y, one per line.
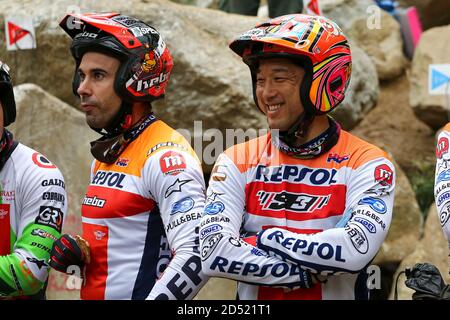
pixel 146 194
pixel 318 198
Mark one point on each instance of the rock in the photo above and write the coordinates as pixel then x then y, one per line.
pixel 58 131
pixel 209 81
pixel 218 289
pixel 210 4
pixel 432 248
pixel 393 126
pixel 431 109
pixel 432 13
pixel 373 30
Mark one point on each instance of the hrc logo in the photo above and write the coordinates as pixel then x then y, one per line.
pixel 336 158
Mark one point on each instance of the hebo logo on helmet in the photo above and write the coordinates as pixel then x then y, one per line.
pixel 140 31
pixel 146 84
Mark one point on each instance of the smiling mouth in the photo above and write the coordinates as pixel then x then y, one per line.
pixel 273 107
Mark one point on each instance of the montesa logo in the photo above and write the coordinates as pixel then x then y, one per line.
pixel 296 202
pixel 94 201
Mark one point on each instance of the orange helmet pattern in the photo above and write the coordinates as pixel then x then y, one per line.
pixel 316 42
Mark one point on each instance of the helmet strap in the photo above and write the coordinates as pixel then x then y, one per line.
pixel 298 130
pixel 121 122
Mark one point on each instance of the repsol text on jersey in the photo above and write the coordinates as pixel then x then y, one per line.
pixel 295 174
pixel 277 270
pixel 108 178
pixel 323 250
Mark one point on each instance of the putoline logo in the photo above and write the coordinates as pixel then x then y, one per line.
pixel 19 32
pixel 439 79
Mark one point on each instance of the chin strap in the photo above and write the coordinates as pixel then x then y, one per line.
pixel 312 149
pixel 298 130
pixel 121 122
pixel 107 149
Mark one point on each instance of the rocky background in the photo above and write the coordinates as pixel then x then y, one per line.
pixel 387 104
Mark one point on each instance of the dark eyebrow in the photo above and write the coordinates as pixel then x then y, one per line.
pixel 94 70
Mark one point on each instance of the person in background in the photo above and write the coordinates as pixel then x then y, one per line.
pixel 32 207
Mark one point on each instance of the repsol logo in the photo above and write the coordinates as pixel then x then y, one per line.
pixel 276 270
pixel 53 196
pixel 108 178
pixel 296 174
pixel 323 250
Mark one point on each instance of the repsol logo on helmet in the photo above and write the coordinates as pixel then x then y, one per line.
pixel 108 178
pixel 295 174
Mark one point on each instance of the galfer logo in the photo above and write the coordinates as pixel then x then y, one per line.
pixel 376 204
pixel 296 202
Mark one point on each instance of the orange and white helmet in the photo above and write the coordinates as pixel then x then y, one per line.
pixel 316 43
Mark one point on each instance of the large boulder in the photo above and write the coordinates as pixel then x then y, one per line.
pixel 432 13
pixel 432 49
pixel 432 248
pixel 209 81
pixel 58 131
pixel 373 30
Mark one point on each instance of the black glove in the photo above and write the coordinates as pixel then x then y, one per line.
pixel 427 281
pixel 66 252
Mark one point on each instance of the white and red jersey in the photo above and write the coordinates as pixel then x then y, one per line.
pixel 328 215
pixel 140 215
pixel 442 180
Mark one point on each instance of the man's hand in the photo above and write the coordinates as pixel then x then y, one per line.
pixel 67 251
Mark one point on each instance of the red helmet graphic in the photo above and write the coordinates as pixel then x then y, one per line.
pixel 146 62
pixel 316 42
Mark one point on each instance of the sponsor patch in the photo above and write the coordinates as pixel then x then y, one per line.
pixel 172 163
pixel 183 205
pixel 122 162
pixel 384 175
pixel 443 176
pixel 209 245
pixel 50 216
pixel 214 208
pixel 42 161
pixel 175 187
pixel 376 204
pixel 43 234
pixel 358 238
pixel 206 231
pixel 441 147
pixel 336 158
pixel 367 224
